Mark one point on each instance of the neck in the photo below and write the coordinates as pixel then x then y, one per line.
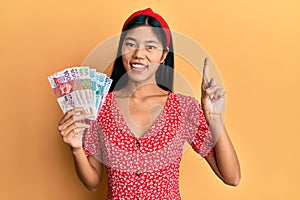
pixel 138 90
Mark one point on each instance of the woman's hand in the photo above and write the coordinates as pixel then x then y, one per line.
pixel 72 126
pixel 213 96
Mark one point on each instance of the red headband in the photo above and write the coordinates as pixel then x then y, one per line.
pixel 150 13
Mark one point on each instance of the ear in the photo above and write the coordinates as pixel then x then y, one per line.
pixel 164 55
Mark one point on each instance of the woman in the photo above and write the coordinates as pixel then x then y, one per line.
pixel 141 128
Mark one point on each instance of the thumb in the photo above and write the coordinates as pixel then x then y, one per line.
pixel 209 92
pixel 206 94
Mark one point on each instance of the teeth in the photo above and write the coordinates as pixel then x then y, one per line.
pixel 138 66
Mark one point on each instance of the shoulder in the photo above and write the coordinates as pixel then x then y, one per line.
pixel 109 97
pixel 107 102
pixel 185 100
pixel 188 104
pixel 190 108
pixel 107 108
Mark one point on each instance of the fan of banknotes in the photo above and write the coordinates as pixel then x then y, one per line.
pixel 80 87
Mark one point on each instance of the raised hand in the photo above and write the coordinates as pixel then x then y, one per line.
pixel 72 126
pixel 213 96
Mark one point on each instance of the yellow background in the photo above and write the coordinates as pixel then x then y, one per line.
pixel 255 45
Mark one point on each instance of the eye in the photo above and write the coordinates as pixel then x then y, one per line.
pixel 129 44
pixel 150 47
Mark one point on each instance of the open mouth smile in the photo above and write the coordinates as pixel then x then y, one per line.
pixel 138 67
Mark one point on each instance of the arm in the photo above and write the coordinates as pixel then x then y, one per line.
pixel 224 162
pixel 88 169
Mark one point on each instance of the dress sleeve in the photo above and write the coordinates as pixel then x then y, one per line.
pixel 199 134
pixel 90 140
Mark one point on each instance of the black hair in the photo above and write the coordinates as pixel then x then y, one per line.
pixel 165 72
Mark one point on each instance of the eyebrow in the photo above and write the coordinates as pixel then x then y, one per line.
pixel 130 38
pixel 147 41
pixel 151 41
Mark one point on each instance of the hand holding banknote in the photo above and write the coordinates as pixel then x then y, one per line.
pixel 80 92
pixel 72 127
pixel 80 87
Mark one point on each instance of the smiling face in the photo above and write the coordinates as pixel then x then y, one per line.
pixel 142 53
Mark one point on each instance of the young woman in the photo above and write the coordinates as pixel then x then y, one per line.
pixel 142 126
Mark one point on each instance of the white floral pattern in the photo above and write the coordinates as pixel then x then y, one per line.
pixel 148 167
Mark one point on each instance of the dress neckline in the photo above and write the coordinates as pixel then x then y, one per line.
pixel 158 120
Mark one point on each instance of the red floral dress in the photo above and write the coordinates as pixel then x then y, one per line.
pixel 148 167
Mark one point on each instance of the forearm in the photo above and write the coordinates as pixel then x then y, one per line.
pixel 225 156
pixel 89 175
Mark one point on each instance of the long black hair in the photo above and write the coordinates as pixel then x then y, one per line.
pixel 164 74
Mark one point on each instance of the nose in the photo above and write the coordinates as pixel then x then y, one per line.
pixel 139 53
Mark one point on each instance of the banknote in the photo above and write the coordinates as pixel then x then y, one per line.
pixel 93 86
pixel 100 84
pixel 74 76
pixel 108 82
pixel 63 88
pixel 80 87
pixel 84 76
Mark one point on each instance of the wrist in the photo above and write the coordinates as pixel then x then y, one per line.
pixel 213 118
pixel 77 150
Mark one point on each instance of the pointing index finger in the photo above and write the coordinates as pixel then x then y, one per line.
pixel 205 77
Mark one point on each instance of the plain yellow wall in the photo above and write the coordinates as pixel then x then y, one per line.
pixel 255 45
